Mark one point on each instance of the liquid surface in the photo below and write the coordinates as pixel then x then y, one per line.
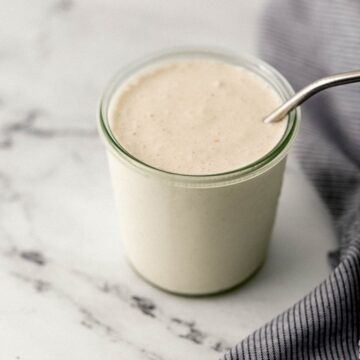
pixel 198 116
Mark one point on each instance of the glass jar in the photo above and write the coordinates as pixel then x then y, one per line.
pixel 197 234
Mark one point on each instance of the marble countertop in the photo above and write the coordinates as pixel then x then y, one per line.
pixel 66 289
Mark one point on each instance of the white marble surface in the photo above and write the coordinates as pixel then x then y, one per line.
pixel 66 291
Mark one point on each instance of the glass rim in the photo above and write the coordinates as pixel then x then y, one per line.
pixel 273 78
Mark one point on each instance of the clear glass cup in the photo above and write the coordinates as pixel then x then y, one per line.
pixel 197 234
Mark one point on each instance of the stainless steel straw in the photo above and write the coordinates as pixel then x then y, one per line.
pixel 310 90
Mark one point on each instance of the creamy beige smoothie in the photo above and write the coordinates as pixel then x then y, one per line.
pixel 196 117
pixel 184 127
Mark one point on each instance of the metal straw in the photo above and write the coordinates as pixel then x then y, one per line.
pixel 310 90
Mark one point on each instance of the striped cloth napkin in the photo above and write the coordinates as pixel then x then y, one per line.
pixel 306 40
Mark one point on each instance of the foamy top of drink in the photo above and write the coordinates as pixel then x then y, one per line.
pixel 195 116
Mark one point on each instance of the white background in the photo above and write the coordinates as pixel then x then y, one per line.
pixel 55 197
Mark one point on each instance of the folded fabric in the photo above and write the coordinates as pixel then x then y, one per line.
pixel 307 40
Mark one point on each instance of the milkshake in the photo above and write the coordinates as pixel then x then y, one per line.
pixel 195 171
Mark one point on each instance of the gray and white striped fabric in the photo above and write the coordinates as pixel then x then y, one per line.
pixel 305 40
